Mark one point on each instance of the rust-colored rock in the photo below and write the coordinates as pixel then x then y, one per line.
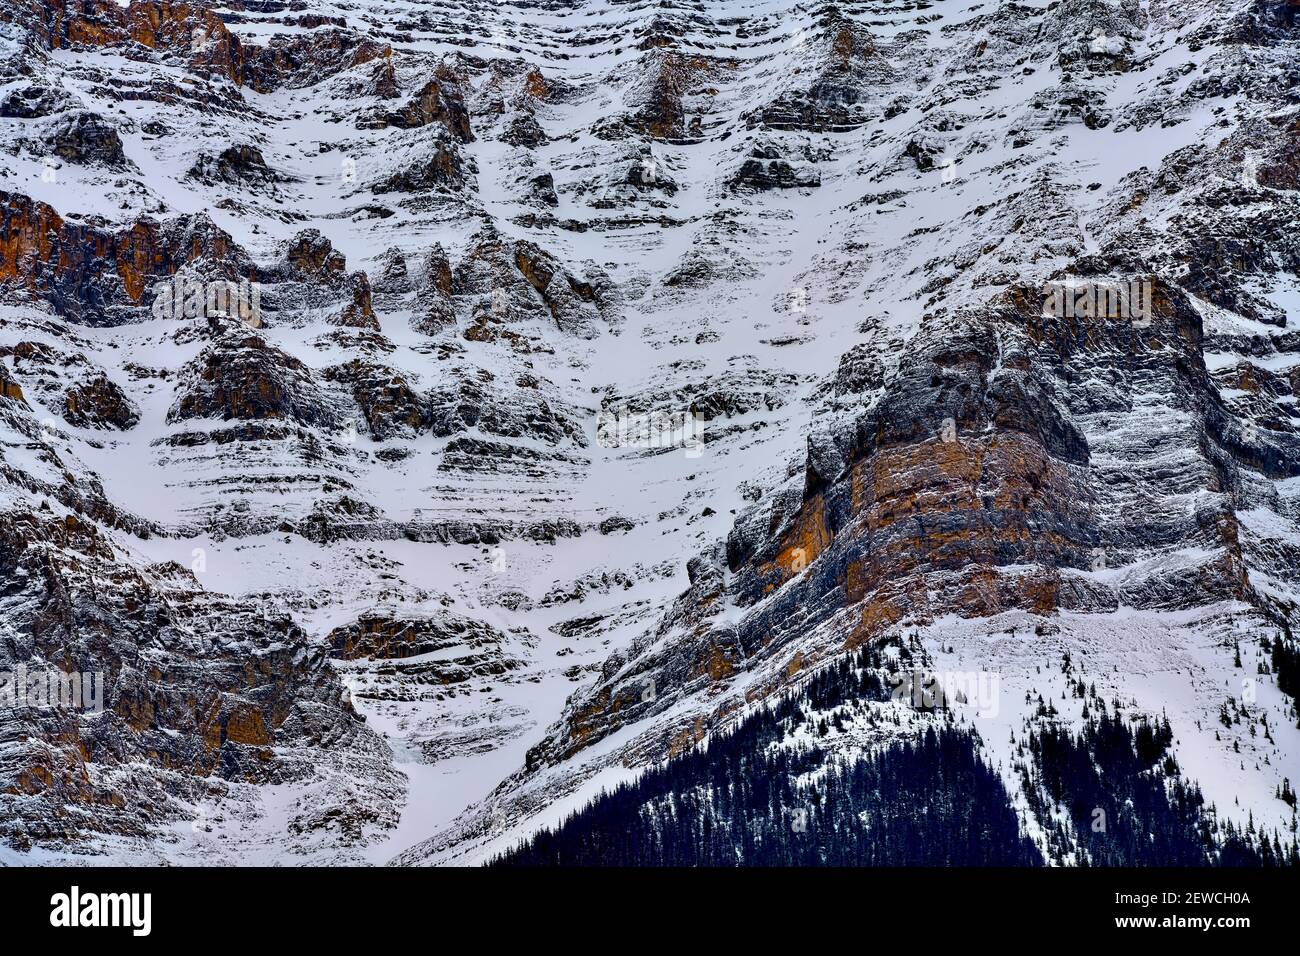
pixel 197 36
pixel 99 403
pixel 441 101
pixel 93 274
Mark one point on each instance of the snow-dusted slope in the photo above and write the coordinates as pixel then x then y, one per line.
pixel 485 234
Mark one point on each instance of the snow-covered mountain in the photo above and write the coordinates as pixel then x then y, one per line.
pixel 425 415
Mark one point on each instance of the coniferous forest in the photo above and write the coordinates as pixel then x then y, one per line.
pixel 767 794
pixel 930 802
pixel 1127 804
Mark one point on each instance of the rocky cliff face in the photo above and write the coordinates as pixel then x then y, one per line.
pixel 420 418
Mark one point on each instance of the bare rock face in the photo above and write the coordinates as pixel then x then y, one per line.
pixel 195 37
pixel 300 61
pixel 388 402
pixel 85 138
pixel 359 313
pixel 511 283
pixel 10 390
pixel 440 167
pixel 314 275
pixel 394 273
pixel 242 377
pixel 101 276
pixel 235 164
pixel 378 636
pixel 81 392
pixel 845 67
pixel 182 30
pixel 311 255
pixel 440 101
pixel 1105 44
pixel 1281 169
pixel 383 80
pixel 671 85
pixel 260 707
pixel 435 310
pixel 744 388
pixel 421 658
pixel 852 539
pixel 542 189
pixel 766 168
pixel 972 461
pixel 34 101
pixel 482 404
pixel 525 131
pixel 99 403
